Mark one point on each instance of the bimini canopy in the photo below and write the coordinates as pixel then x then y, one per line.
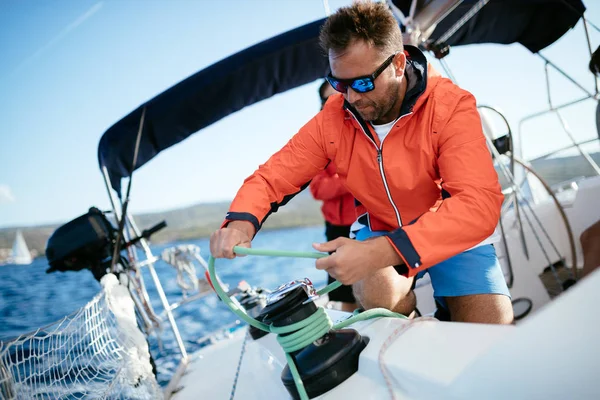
pixel 535 24
pixel 293 59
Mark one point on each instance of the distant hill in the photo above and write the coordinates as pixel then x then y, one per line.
pixel 35 237
pixel 191 222
pixel 201 219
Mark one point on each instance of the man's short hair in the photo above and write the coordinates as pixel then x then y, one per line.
pixel 372 22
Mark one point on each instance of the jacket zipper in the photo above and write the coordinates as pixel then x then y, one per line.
pixel 385 185
pixel 380 162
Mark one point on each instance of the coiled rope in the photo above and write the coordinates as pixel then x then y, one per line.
pixel 300 334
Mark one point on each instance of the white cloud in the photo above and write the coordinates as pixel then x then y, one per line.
pixel 6 195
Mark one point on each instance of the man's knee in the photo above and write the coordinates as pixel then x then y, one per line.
pixel 387 290
pixel 590 237
pixel 481 308
pixel 405 304
pixel 585 239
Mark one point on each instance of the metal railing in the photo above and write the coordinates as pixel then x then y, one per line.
pixel 148 263
pixel 555 109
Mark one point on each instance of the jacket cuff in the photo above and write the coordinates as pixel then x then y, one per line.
pixel 241 216
pixel 405 249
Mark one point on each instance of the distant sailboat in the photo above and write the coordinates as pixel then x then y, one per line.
pixel 20 252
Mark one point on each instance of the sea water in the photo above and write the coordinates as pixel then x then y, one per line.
pixel 30 298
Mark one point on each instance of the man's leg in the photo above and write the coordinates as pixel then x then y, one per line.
pixel 386 289
pixel 590 244
pixel 472 287
pixel 481 308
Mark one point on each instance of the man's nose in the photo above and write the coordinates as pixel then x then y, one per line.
pixel 352 96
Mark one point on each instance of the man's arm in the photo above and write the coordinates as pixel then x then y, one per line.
pixel 284 175
pixel 472 195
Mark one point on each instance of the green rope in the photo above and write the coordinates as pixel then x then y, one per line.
pixel 304 332
pixel 300 334
pixel 283 253
pixel 277 253
pixel 331 287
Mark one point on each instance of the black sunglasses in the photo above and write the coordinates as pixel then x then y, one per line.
pixel 362 84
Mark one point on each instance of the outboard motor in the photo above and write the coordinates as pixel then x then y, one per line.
pixel 87 242
pixel 326 362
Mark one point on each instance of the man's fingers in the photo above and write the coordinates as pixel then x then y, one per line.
pixel 339 275
pixel 232 239
pixel 326 262
pixel 227 247
pixel 243 244
pixel 330 246
pixel 333 273
pixel 213 244
pixel 224 240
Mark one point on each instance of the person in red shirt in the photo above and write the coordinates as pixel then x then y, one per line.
pixel 338 211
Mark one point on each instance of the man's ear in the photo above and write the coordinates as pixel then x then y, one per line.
pixel 400 63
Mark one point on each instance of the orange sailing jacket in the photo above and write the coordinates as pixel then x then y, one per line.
pixel 338 203
pixel 431 184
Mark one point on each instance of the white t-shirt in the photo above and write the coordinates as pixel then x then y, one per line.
pixel 383 130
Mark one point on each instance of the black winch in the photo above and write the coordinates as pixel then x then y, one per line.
pixel 326 362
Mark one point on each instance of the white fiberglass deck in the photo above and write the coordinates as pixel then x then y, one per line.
pixel 431 359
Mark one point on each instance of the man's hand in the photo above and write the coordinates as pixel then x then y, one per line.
pixel 237 233
pixel 354 260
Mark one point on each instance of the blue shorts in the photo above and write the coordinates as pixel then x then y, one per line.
pixel 475 271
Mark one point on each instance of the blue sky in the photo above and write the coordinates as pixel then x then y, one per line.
pixel 70 69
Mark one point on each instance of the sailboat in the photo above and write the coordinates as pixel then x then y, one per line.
pixel 378 356
pixel 20 253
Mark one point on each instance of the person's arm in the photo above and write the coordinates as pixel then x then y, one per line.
pixel 472 195
pixel 284 175
pixel 327 185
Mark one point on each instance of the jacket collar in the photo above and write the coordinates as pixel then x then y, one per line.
pixel 416 76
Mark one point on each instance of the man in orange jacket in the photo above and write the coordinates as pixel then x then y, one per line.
pixel 409 146
pixel 338 211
